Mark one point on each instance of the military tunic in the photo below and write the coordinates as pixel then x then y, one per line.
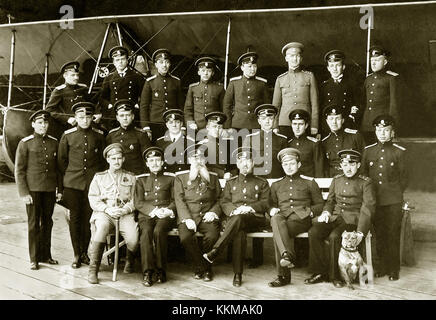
pixel 334 142
pixel 311 157
pixel 266 145
pixel 201 99
pixel 174 152
pixel 219 152
pixel 296 89
pixel 242 96
pixel 134 142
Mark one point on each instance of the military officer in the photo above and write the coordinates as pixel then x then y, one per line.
pixel 380 90
pixel 123 83
pixel 349 206
pixel 204 96
pixel 39 184
pixel 338 139
pixel 154 199
pixel 244 93
pixel 266 143
pixel 160 93
pixel 295 89
pixel 196 193
pixel 174 142
pixel 244 201
pixel 311 156
pixel 384 162
pixel 79 158
pixel 342 89
pixel 111 198
pixel 294 200
pixel 133 139
pixel 66 95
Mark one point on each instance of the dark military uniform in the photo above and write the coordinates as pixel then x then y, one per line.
pixel 116 86
pixel 62 99
pixel 351 203
pixel 299 198
pixel 384 163
pixel 154 191
pixel 242 96
pixel 334 142
pixel 267 145
pixel 174 152
pixel 194 199
pixel 134 142
pixel 311 157
pixel 201 99
pixel 79 158
pixel 295 89
pixel 37 175
pixel 218 155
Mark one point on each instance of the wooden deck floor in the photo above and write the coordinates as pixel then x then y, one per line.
pixel 61 282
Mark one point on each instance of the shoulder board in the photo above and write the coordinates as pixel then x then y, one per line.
pixel 189 138
pixel 361 176
pixel 62 86
pixel 371 145
pixel 232 178
pixel 261 79
pixel 160 138
pixel 71 130
pixel 213 173
pixel 280 135
pixel 169 174
pixel 290 140
pixel 236 78
pixel 82 85
pixel 174 77
pixel 28 138
pixel 151 78
pixel 101 173
pixel 142 175
pixel 399 147
pixel 326 137
pixel 128 172
pixel 260 178
pixel 51 137
pixel 348 130
pixel 97 130
pixel 220 84
pixel 307 71
pixel 283 74
pixel 253 134
pixel 194 84
pixel 306 177
pixel 114 129
pixel 391 73
pixel 312 139
pixel 339 175
pixel 181 172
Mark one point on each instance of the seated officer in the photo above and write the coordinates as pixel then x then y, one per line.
pixel 384 163
pixel 244 201
pixel 196 193
pixel 266 143
pixel 203 97
pixel 39 183
pixel 294 200
pixel 174 142
pixel 311 157
pixel 338 139
pixel 219 145
pixel 111 198
pixel 133 140
pixel 350 206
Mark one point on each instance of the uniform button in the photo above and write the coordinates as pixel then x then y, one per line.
pixel 380 174
pixel 248 89
pixel 373 84
pixel 346 182
pixel 370 100
pixel 166 101
pixel 369 108
pixel 155 194
pixel 84 168
pixel 298 143
pixel 344 191
pixel 166 93
pixel 375 77
pixel 46 170
pixel 245 197
pixel 381 166
pixel 200 193
pixel 383 150
pixel 292 206
pixel 292 200
pixel 155 179
pixel 245 181
pixel 84 160
pixel 121 140
pixel 381 158
pixel 290 188
pixel 248 111
pixel 85 151
pixel 295 103
pixel 296 96
pixel 379 182
pixel 86 144
pixel 372 92
pixel 290 194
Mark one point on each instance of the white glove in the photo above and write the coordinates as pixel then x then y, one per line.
pixel 324 217
pixel 148 131
pixel 136 106
pixel 210 216
pixel 153 213
pixel 274 211
pixel 313 131
pixel 114 212
pixel 227 176
pixel 96 117
pixel 27 199
pixel 165 212
pixel 247 209
pixel 354 109
pixel 192 125
pixel 109 106
pixel 190 224
pixel 58 197
pixel 72 121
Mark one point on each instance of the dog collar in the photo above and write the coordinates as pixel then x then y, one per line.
pixel 349 250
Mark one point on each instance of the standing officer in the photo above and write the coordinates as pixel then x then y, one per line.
pixel 340 89
pixel 338 139
pixel 384 163
pixel 244 201
pixel 64 96
pixel 133 140
pixel 174 142
pixel 111 198
pixel 39 184
pixel 123 83
pixel 350 206
pixel 79 158
pixel 380 89
pixel 311 157
pixel 266 143
pixel 154 199
pixel 294 200
pixel 160 93
pixel 204 96
pixel 196 193
pixel 295 89
pixel 244 94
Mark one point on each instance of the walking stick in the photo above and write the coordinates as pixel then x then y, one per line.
pixel 117 239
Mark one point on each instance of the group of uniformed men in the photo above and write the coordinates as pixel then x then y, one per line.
pixel 167 177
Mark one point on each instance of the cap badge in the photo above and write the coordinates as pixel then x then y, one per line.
pixel 156 94
pixel 244 190
pixel 131 147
